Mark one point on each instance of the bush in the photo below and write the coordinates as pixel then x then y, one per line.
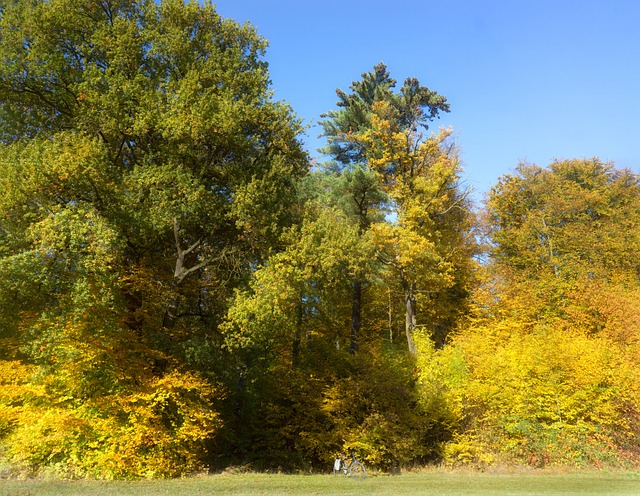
pixel 158 430
pixel 538 396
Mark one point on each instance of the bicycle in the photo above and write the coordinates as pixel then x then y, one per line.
pixel 350 466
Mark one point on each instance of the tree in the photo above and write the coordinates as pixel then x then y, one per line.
pixel 357 193
pixel 290 330
pixel 543 371
pixel 382 132
pixel 414 104
pixel 429 247
pixel 148 171
pixel 560 231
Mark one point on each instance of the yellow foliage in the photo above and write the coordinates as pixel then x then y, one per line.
pixel 157 430
pixel 166 427
pixel 537 394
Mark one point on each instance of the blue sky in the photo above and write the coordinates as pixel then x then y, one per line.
pixel 528 80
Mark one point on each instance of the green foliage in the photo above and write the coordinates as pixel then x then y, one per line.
pixel 373 404
pixel 297 291
pixel 413 105
pixel 146 171
pixel 291 331
pixel 176 292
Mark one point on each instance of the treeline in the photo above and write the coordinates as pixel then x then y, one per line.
pixel 182 289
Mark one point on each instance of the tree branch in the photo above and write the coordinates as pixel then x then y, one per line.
pixel 181 272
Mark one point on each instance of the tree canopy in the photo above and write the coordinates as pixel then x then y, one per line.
pixel 182 289
pixel 146 170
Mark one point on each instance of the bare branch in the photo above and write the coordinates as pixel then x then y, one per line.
pixel 181 272
pixel 192 247
pixel 186 272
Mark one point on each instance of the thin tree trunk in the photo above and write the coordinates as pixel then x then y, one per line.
pixel 133 319
pixel 169 317
pixel 390 317
pixel 356 316
pixel 410 316
pixel 297 333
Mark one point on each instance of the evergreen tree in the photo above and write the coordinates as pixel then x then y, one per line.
pixel 384 133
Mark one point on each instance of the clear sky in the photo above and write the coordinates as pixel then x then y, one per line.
pixel 528 80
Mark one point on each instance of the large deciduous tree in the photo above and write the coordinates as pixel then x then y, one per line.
pixel 564 231
pixel 546 370
pixel 428 248
pixel 146 170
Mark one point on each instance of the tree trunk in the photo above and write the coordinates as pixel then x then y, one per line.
pixel 169 318
pixel 356 315
pixel 180 273
pixel 133 319
pixel 390 318
pixel 410 316
pixel 297 333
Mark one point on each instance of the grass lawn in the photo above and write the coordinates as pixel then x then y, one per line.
pixel 431 483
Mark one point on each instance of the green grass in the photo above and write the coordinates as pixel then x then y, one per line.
pixel 431 483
